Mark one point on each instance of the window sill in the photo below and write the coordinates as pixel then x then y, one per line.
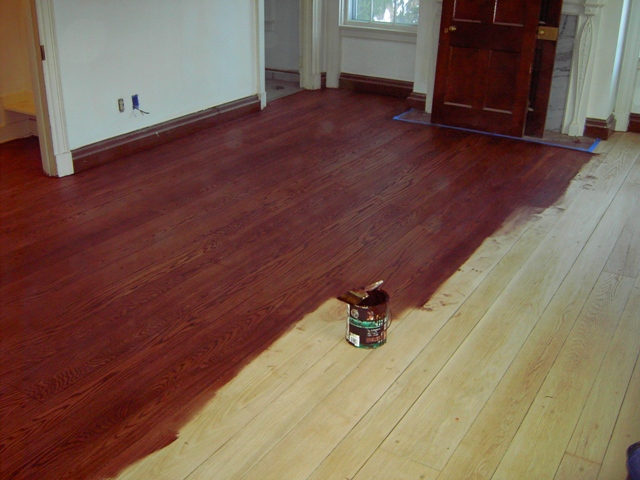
pixel 373 33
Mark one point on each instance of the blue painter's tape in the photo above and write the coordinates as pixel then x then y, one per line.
pixel 590 149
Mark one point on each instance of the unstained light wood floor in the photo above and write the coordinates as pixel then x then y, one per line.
pixel 172 315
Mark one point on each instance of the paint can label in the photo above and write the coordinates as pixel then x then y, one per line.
pixel 364 334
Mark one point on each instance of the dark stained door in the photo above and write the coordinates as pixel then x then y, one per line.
pixel 485 55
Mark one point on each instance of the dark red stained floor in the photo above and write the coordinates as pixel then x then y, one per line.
pixel 130 293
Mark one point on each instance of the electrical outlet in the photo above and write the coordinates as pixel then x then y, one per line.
pixel 121 104
pixel 135 102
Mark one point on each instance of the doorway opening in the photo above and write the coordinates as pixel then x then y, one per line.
pixel 18 117
pixel 23 99
pixel 282 31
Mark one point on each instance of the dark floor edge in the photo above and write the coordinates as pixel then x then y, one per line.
pixel 380 86
pixel 634 123
pixel 417 101
pixel 599 128
pixel 591 148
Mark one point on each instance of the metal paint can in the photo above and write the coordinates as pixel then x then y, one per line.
pixel 368 321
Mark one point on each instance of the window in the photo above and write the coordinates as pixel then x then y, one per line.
pixel 381 13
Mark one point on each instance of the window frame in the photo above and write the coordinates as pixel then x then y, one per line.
pixel 345 21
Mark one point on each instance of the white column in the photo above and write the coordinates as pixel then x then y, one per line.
pixel 582 65
pixel 311 18
pixel 629 69
pixel 333 43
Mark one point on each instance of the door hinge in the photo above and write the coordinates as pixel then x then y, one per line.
pixel 548 33
pixel 42 55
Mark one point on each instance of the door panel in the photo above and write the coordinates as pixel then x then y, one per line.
pixel 510 12
pixel 485 55
pixel 503 74
pixel 467 10
pixel 465 61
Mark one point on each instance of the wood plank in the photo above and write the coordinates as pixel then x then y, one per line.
pixel 13 402
pixel 437 423
pixel 546 429
pixel 384 465
pixel 627 429
pixel 190 254
pixel 165 172
pixel 316 434
pixel 634 175
pixel 246 448
pixel 479 453
pixel 597 420
pixel 160 261
pixel 625 258
pixel 460 305
pixel 257 386
pixel 376 368
pixel 575 467
pixel 223 181
pixel 488 255
pixel 93 369
pixel 373 419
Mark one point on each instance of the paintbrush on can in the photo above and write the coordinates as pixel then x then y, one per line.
pixel 357 295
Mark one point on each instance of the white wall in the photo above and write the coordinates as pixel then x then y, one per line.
pixel 368 52
pixel 380 55
pixel 282 34
pixel 179 57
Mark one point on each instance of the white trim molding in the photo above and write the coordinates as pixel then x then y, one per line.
pixel 581 64
pixel 43 128
pixel 630 70
pixel 333 53
pixel 311 37
pixel 53 87
pixel 371 25
pixel 260 57
pixel 378 34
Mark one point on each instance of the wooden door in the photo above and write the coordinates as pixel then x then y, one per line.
pixel 485 55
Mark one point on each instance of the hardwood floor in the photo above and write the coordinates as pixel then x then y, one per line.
pixel 173 314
